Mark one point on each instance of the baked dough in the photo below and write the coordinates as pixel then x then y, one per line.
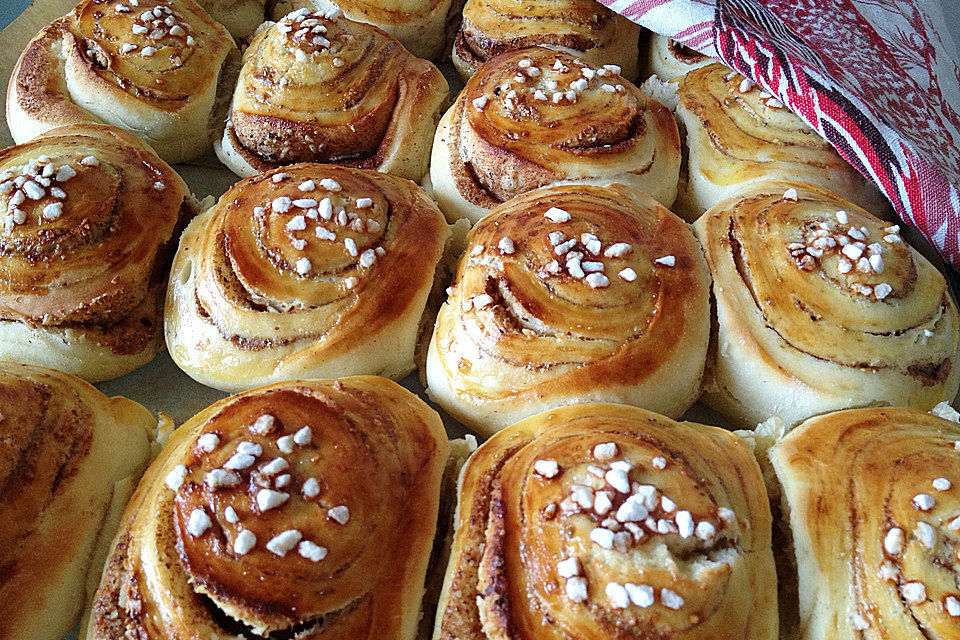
pixel 572 293
pixel 147 68
pixel 305 509
pixel 583 28
pixel 737 134
pixel 607 521
pixel 90 217
pixel 420 25
pixel 821 306
pixel 669 60
pixel 310 272
pixel 318 87
pixel 534 117
pixel 69 459
pixel 871 496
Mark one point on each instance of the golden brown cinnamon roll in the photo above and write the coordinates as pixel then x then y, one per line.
pixel 668 59
pixel 872 501
pixel 420 25
pixel 535 117
pixel 69 459
pixel 305 509
pixel 572 293
pixel 821 306
pixel 606 521
pixel 317 87
pixel 737 134
pixel 148 66
pixel 88 214
pixel 583 28
pixel 313 271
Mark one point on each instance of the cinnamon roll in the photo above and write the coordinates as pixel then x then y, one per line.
pixel 534 117
pixel 69 459
pixel 583 28
pixel 572 293
pixel 821 306
pixel 668 59
pixel 606 521
pixel 872 501
pixel 318 87
pixel 89 217
pixel 420 25
pixel 151 67
pixel 737 134
pixel 313 271
pixel 304 509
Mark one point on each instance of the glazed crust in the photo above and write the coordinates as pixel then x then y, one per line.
pixel 523 330
pixel 535 117
pixel 517 525
pixel 874 561
pixel 737 135
pixel 82 277
pixel 240 312
pixel 804 332
pixel 583 28
pixel 361 100
pixel 422 26
pixel 102 64
pixel 70 458
pixel 357 463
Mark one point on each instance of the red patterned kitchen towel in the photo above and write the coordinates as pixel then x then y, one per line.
pixel 879 79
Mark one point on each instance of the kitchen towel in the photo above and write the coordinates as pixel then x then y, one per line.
pixel 879 79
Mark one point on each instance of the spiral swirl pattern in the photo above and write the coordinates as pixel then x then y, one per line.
pixel 572 293
pixel 305 508
pixel 872 495
pixel 151 67
pixel 69 460
pixel 307 272
pixel 669 60
pixel 583 28
pixel 534 117
pixel 88 215
pixel 318 87
pixel 821 306
pixel 738 134
pixel 421 26
pixel 598 521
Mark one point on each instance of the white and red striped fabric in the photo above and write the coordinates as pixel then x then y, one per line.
pixel 879 79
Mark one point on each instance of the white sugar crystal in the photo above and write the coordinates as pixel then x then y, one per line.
pixel 340 514
pixel 281 544
pixel 617 595
pixel 555 214
pixel 208 442
pixel 269 499
pixel 175 477
pixel 568 568
pixel 198 523
pixel 546 468
pixel 670 599
pixel 684 524
pixel 605 451
pixel 311 488
pixel 311 551
pixel 245 541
